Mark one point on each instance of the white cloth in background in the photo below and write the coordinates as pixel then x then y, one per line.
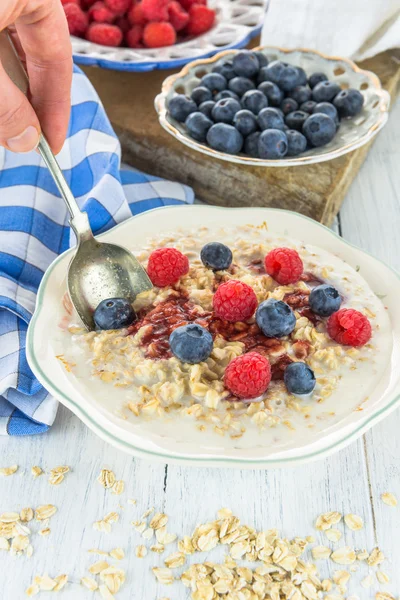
pixel 356 29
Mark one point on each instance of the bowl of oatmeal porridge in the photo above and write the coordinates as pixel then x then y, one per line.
pixel 132 390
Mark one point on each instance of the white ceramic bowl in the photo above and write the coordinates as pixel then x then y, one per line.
pixel 237 22
pixel 352 133
pixel 43 348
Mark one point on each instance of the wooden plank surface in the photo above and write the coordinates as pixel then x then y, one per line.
pixel 290 499
pixel 315 190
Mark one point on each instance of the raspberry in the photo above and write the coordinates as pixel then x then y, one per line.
pixel 156 35
pixel 166 266
pixel 100 13
pixel 136 16
pixel 134 36
pixel 284 265
pixel 71 2
pixel 201 19
pixel 102 33
pixel 349 327
pixel 76 18
pixel 88 3
pixel 119 7
pixel 178 17
pixel 248 376
pixel 155 10
pixel 188 3
pixel 234 301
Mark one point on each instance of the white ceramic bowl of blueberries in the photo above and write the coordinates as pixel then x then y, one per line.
pixel 273 107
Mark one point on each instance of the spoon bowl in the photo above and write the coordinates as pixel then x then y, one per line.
pixel 99 271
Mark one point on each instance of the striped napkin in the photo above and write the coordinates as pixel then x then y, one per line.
pixel 34 230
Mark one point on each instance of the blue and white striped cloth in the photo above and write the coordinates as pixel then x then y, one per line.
pixel 34 230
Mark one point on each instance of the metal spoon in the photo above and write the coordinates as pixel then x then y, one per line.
pixel 98 270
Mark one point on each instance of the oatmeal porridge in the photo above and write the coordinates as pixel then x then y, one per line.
pixel 144 381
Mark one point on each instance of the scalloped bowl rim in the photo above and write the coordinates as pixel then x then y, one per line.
pixel 352 431
pixel 160 103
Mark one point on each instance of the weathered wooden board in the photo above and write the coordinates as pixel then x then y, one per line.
pixel 315 190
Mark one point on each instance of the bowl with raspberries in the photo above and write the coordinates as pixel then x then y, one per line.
pixel 266 340
pixel 273 107
pixel 143 35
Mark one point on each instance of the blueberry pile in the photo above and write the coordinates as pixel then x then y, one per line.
pixel 264 109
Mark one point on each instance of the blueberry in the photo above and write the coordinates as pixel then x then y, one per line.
pixel 197 125
pixel 272 72
pixel 299 378
pixel 301 93
pixel 349 102
pixel 316 78
pixel 251 144
pixel 262 59
pixel 272 92
pixel 225 94
pixel 284 75
pixel 327 109
pixel 308 106
pixel 180 107
pixel 246 64
pixel 201 94
pixel 296 119
pixel 288 105
pixel 206 108
pixel 245 122
pixel 114 313
pixel 241 85
pixel 297 143
pixel 301 76
pixel 319 129
pixel 214 82
pixel 191 343
pixel 225 110
pixel 270 118
pixel 225 138
pixel 254 100
pixel 225 69
pixel 272 144
pixel 275 318
pixel 324 300
pixel 216 256
pixel 325 91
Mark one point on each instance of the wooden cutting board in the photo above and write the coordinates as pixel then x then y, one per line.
pixel 314 190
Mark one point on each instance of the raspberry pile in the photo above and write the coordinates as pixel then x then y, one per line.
pixel 264 109
pixel 138 24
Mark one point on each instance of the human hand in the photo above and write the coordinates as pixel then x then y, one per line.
pixel 40 34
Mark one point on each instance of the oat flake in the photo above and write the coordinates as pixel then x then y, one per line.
pixel 389 499
pixel 98 567
pixel 7 471
pixel 344 556
pixel 354 522
pixel 141 551
pixel 89 583
pixel 319 552
pixel 117 553
pixel 382 577
pixel 163 575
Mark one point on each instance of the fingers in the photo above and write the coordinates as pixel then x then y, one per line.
pixel 44 37
pixel 19 125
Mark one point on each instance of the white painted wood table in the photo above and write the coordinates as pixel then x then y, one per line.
pixel 289 499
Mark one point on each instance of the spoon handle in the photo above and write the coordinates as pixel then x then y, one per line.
pixel 13 66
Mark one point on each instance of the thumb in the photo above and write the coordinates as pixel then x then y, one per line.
pixel 19 125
